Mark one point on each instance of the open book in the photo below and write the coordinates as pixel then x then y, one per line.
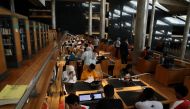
pixel 11 94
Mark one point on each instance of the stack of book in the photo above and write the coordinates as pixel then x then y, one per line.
pixel 11 94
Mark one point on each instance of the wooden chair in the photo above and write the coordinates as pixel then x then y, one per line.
pixel 98 70
pixel 85 67
pixel 74 63
pixel 104 66
pixel 117 68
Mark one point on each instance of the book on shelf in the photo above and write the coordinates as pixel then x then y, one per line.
pixel 11 94
pixel 8 52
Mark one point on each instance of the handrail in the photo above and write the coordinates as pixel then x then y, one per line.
pixel 33 82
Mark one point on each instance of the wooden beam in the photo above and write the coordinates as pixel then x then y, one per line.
pixel 174 2
pixel 38 10
pixel 38 16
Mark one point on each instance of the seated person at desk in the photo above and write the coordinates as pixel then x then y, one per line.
pixel 181 103
pixel 127 71
pixel 146 100
pixel 72 102
pixel 72 56
pixel 89 74
pixel 109 102
pixel 147 54
pixel 167 61
pixel 69 75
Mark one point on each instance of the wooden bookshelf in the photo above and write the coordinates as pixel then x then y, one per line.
pixel 46 32
pixel 43 35
pixel 33 37
pixel 3 66
pixel 24 37
pixel 38 35
pixel 11 38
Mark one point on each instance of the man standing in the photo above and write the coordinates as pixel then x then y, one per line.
pixel 124 51
pixel 117 47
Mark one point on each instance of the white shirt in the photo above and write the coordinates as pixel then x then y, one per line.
pixel 67 78
pixel 96 42
pixel 149 105
pixel 117 43
pixel 87 56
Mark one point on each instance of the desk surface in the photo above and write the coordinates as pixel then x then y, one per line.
pixel 127 92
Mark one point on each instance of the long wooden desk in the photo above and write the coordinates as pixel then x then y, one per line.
pixel 121 90
pixel 146 66
pixel 172 75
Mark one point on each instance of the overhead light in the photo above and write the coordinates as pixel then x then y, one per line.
pixel 117 11
pixel 158 32
pixel 169 33
pixel 115 15
pixel 125 14
pixel 184 17
pixel 174 20
pixel 129 9
pixel 87 5
pixel 161 7
pixel 176 40
pixel 127 24
pixel 134 3
pixel 159 22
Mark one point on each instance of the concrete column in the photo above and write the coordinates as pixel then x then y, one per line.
pixel 102 18
pixel 140 28
pixel 90 19
pixel 53 14
pixel 12 6
pixel 151 23
pixel 185 34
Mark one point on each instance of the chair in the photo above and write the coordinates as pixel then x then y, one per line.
pixel 98 70
pixel 117 68
pixel 104 66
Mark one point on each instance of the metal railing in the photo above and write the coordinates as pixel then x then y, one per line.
pixel 33 82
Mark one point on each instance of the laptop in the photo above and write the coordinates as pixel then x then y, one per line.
pixel 90 98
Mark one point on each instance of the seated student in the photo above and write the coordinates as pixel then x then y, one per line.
pixel 127 70
pixel 89 74
pixel 147 54
pixel 146 100
pixel 72 102
pixel 69 75
pixel 181 103
pixel 109 102
pixel 72 56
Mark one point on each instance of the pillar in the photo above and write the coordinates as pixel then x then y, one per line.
pixel 185 34
pixel 140 28
pixel 53 14
pixel 12 6
pixel 90 19
pixel 151 23
pixel 102 18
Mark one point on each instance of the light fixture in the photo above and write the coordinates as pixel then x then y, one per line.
pixel 129 9
pixel 174 20
pixel 159 22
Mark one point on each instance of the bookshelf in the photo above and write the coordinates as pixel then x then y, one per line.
pixel 23 38
pixel 46 32
pixel 43 35
pixel 47 37
pixel 33 38
pixel 38 35
pixel 3 66
pixel 11 40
